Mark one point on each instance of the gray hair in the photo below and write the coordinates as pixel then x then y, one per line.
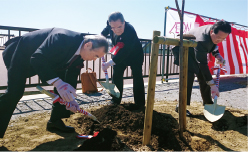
pixel 114 16
pixel 97 41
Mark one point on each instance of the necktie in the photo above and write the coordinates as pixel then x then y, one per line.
pixel 74 58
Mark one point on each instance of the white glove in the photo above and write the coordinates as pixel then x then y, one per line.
pixel 220 60
pixel 106 65
pixel 74 106
pixel 65 90
pixel 214 91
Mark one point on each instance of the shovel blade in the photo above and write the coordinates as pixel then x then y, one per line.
pixel 105 85
pixel 111 89
pixel 213 112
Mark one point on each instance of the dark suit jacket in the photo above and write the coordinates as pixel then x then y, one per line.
pixel 44 52
pixel 198 56
pixel 132 52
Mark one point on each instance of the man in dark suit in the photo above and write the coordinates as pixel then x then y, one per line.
pixel 128 52
pixel 56 55
pixel 207 38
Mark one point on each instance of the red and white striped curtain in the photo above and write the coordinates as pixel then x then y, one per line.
pixel 234 49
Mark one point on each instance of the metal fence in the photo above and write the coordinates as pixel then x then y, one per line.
pixel 165 60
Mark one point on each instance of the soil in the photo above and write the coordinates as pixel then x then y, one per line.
pixel 121 129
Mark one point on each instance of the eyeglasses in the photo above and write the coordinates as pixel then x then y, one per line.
pixel 220 39
pixel 217 38
pixel 117 28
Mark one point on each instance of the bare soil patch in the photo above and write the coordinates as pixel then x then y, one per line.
pixel 121 129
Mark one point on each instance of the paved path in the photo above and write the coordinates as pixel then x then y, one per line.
pixel 233 93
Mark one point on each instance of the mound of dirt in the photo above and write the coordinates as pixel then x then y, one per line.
pixel 128 122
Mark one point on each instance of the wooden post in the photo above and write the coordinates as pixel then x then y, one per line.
pixel 183 75
pixel 151 92
pixel 174 41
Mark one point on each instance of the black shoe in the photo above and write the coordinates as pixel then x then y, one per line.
pixel 176 108
pixel 133 107
pixel 187 111
pixel 59 125
pixel 112 102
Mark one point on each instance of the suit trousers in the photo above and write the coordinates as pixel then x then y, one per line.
pixel 18 72
pixel 138 82
pixel 204 88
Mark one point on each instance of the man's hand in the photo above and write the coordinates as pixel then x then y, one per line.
pixel 214 91
pixel 65 90
pixel 106 65
pixel 74 106
pixel 220 60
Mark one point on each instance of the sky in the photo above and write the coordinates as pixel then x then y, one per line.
pixel 90 16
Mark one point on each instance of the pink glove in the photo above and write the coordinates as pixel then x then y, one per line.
pixel 65 90
pixel 74 106
pixel 214 91
pixel 106 65
pixel 220 60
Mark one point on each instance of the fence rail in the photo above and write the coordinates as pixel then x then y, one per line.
pixel 165 65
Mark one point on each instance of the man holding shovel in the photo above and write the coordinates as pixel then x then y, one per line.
pixel 207 38
pixel 56 55
pixel 127 51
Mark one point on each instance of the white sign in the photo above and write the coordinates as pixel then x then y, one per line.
pixel 173 23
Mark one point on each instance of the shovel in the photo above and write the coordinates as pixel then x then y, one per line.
pixel 214 112
pixel 111 89
pixel 56 98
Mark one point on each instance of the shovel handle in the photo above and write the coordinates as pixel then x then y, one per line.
pixel 218 68
pixel 56 98
pixel 105 71
pixel 218 77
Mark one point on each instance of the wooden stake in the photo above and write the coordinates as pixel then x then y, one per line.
pixel 151 92
pixel 183 78
pixel 173 41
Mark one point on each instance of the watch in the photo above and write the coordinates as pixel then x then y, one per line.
pixel 211 82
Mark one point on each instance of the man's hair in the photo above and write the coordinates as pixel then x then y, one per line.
pixel 97 41
pixel 114 16
pixel 221 26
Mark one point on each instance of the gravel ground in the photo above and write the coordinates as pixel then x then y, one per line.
pixel 233 93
